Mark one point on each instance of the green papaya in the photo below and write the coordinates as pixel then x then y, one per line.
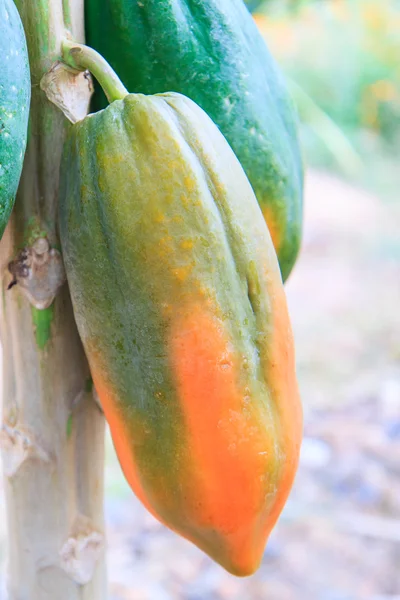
pixel 15 91
pixel 180 305
pixel 212 52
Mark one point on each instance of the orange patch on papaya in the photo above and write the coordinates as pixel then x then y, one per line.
pixel 273 227
pixel 229 448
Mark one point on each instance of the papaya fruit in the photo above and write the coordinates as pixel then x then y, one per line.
pixel 212 52
pixel 180 305
pixel 15 91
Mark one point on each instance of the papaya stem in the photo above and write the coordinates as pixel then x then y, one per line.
pixel 82 58
pixel 52 449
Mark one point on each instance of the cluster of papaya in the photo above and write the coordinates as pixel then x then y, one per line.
pixel 212 52
pixel 180 217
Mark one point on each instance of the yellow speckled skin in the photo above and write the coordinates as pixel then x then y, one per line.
pixel 179 302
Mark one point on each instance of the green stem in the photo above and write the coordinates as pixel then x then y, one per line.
pixel 83 58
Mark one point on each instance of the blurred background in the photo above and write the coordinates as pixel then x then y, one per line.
pixel 339 535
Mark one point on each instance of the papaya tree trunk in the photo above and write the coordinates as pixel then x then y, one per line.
pixel 52 431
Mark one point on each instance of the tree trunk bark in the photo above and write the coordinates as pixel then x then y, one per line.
pixel 52 432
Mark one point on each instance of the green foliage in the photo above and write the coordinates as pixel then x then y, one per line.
pixel 344 54
pixel 253 5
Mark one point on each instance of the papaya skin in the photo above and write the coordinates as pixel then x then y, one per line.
pixel 15 94
pixel 213 52
pixel 180 305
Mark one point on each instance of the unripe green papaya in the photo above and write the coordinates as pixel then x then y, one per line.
pixel 15 93
pixel 179 302
pixel 212 52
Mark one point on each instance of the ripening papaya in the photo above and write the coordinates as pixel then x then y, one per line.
pixel 179 302
pixel 212 52
pixel 15 93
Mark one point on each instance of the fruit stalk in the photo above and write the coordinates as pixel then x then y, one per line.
pixel 81 57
